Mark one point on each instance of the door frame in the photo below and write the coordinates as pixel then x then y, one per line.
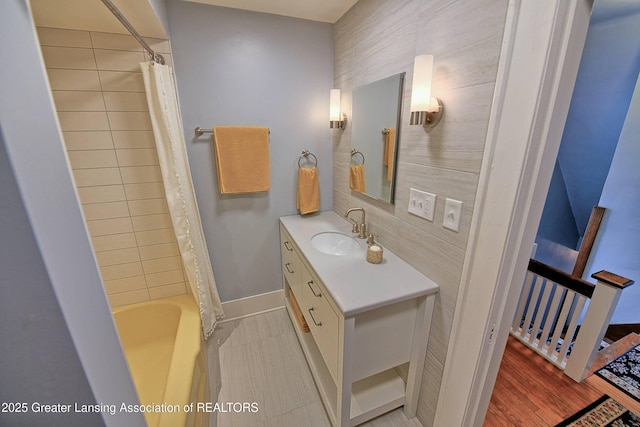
pixel 541 51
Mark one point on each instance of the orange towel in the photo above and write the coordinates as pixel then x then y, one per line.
pixel 242 159
pixel 389 152
pixel 308 199
pixel 357 179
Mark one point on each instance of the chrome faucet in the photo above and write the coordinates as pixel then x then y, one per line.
pixel 361 228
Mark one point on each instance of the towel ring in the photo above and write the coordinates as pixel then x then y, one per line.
pixel 354 152
pixel 306 154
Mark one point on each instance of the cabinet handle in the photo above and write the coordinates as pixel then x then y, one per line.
pixel 313 318
pixel 288 269
pixel 313 290
pixel 286 245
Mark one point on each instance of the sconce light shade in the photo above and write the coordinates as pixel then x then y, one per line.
pixel 336 118
pixel 425 109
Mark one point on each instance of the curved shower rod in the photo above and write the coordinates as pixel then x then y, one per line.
pixel 156 57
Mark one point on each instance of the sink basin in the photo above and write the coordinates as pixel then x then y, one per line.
pixel 333 243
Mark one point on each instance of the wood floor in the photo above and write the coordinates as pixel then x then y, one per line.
pixel 530 391
pixel 258 360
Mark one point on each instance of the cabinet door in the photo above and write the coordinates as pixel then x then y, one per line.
pixel 322 320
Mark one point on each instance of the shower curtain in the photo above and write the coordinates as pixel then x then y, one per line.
pixel 176 175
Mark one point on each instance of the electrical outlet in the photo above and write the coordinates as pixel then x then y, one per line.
pixel 452 214
pixel 422 204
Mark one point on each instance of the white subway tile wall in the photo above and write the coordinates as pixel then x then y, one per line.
pixel 99 95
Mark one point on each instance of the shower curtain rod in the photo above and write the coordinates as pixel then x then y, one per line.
pixel 155 56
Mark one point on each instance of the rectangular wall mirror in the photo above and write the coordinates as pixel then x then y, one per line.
pixel 375 134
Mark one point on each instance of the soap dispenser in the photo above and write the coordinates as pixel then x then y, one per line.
pixel 374 251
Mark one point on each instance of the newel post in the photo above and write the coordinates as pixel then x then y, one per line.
pixel 596 321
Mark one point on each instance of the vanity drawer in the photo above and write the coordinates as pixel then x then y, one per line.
pixel 287 248
pixel 322 320
pixel 291 265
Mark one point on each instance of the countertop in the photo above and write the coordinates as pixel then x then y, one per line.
pixel 354 284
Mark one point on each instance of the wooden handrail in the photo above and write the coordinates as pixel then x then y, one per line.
pixel 612 279
pixel 589 239
pixel 560 277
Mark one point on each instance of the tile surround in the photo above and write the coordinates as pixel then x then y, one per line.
pixel 96 176
pixel 69 58
pixel 99 95
pixel 133 139
pixel 148 206
pixel 376 39
pixel 101 194
pixel 105 210
pixel 88 140
pixel 140 174
pixel 74 79
pixel 114 241
pixel 74 100
pixel 120 81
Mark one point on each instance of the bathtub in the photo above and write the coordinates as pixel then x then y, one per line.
pixel 167 358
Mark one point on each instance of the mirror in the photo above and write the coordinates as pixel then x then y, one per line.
pixel 376 118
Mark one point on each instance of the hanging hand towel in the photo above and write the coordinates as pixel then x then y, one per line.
pixel 242 159
pixel 308 199
pixel 389 151
pixel 356 178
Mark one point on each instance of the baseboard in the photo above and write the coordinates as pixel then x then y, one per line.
pixel 249 306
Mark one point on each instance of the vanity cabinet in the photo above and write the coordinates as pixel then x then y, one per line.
pixel 313 301
pixel 365 351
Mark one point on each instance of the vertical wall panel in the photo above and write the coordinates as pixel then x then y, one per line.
pixel 376 39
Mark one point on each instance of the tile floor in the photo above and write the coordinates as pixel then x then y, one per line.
pixel 258 360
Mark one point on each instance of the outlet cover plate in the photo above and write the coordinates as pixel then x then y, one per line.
pixel 422 204
pixel 452 214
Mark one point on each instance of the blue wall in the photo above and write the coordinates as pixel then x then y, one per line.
pixel 617 248
pixel 605 82
pixel 599 154
pixel 557 223
pixel 604 85
pixel 239 68
pixel 603 90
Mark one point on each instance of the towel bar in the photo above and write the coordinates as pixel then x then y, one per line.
pixel 200 131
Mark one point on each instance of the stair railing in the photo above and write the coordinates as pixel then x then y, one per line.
pixel 564 318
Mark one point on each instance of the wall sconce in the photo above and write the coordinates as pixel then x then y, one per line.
pixel 426 110
pixel 337 119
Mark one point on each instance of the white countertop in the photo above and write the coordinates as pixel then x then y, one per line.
pixel 354 284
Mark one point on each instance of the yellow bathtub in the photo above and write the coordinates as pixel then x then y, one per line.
pixel 167 359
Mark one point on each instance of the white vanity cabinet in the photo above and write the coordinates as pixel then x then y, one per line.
pixel 369 323
pixel 313 301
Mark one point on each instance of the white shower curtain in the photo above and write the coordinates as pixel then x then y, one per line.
pixel 176 175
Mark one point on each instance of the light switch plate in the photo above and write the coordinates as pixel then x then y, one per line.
pixel 422 204
pixel 452 214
